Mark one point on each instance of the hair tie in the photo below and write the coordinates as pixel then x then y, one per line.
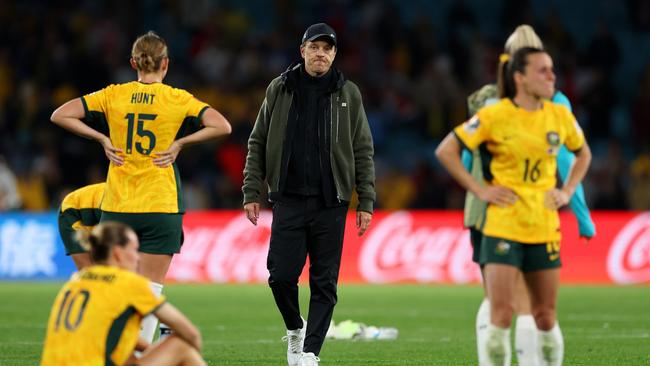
pixel 504 57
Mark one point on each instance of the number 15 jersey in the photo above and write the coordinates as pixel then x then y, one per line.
pixel 143 119
pixel 519 151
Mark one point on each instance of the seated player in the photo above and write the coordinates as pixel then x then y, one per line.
pixel 95 319
pixel 79 211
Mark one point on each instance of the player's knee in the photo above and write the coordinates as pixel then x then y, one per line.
pixel 194 358
pixel 502 311
pixel 544 318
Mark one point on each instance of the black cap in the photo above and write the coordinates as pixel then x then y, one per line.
pixel 320 30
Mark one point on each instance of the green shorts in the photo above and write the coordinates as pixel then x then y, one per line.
pixel 475 237
pixel 526 257
pixel 159 233
pixel 87 216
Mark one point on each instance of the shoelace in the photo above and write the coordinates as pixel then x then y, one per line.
pixel 294 342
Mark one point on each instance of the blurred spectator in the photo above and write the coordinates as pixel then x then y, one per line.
pixel 610 174
pixel 9 197
pixel 415 62
pixel 639 196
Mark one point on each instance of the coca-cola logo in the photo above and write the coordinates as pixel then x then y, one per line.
pixel 629 256
pixel 395 251
pixel 235 252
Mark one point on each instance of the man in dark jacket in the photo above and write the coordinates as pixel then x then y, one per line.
pixel 312 143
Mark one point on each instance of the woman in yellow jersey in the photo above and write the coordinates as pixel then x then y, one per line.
pixel 522 134
pixel 96 316
pixel 148 123
pixel 525 338
pixel 79 211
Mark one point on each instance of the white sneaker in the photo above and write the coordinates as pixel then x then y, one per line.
pixel 296 340
pixel 309 359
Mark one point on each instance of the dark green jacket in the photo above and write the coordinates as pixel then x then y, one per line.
pixel 351 148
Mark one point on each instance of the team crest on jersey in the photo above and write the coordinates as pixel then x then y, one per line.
pixel 553 139
pixel 502 248
pixel 472 125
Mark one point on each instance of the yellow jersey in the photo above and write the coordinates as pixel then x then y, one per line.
pixel 81 207
pixel 79 211
pixel 519 148
pixel 143 119
pixel 95 319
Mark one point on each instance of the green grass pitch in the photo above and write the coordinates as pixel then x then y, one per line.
pixel 240 325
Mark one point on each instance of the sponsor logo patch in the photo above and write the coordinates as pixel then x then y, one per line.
pixel 502 248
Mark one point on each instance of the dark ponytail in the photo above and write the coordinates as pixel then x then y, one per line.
pixel 508 65
pixel 102 238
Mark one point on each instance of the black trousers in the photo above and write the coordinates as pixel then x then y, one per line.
pixel 304 226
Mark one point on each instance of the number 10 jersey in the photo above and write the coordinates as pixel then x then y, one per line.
pixel 95 319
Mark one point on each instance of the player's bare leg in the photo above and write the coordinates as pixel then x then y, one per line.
pixel 500 279
pixel 173 351
pixel 543 288
pixel 154 267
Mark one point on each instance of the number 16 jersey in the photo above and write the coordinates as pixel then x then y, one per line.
pixel 519 151
pixel 143 119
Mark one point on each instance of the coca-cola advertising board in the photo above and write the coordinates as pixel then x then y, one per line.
pixel 409 246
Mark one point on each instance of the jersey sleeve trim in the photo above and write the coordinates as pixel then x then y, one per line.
pixel 115 333
pixel 85 104
pixel 461 141
pixel 155 308
pixel 578 149
pixel 201 112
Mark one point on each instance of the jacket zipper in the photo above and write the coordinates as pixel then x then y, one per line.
pixel 336 184
pixel 286 164
pixel 337 119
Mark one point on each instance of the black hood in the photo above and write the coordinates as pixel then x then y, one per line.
pixel 290 77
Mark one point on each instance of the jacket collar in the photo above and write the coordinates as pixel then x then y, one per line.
pixel 289 77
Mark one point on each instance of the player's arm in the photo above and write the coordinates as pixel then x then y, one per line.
pixel 69 116
pixel 449 155
pixel 578 204
pixel 179 324
pixel 578 170
pixel 214 125
pixel 557 198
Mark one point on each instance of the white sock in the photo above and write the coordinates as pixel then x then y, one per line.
pixel 526 341
pixel 551 346
pixel 557 333
pixel 482 324
pixel 497 346
pixel 150 322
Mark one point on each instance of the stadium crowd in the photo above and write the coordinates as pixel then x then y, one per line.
pixel 415 62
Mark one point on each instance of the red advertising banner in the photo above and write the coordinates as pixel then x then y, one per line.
pixel 409 246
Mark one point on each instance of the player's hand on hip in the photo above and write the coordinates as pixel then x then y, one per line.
pixel 363 221
pixel 113 154
pixel 498 195
pixel 556 198
pixel 252 210
pixel 166 158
